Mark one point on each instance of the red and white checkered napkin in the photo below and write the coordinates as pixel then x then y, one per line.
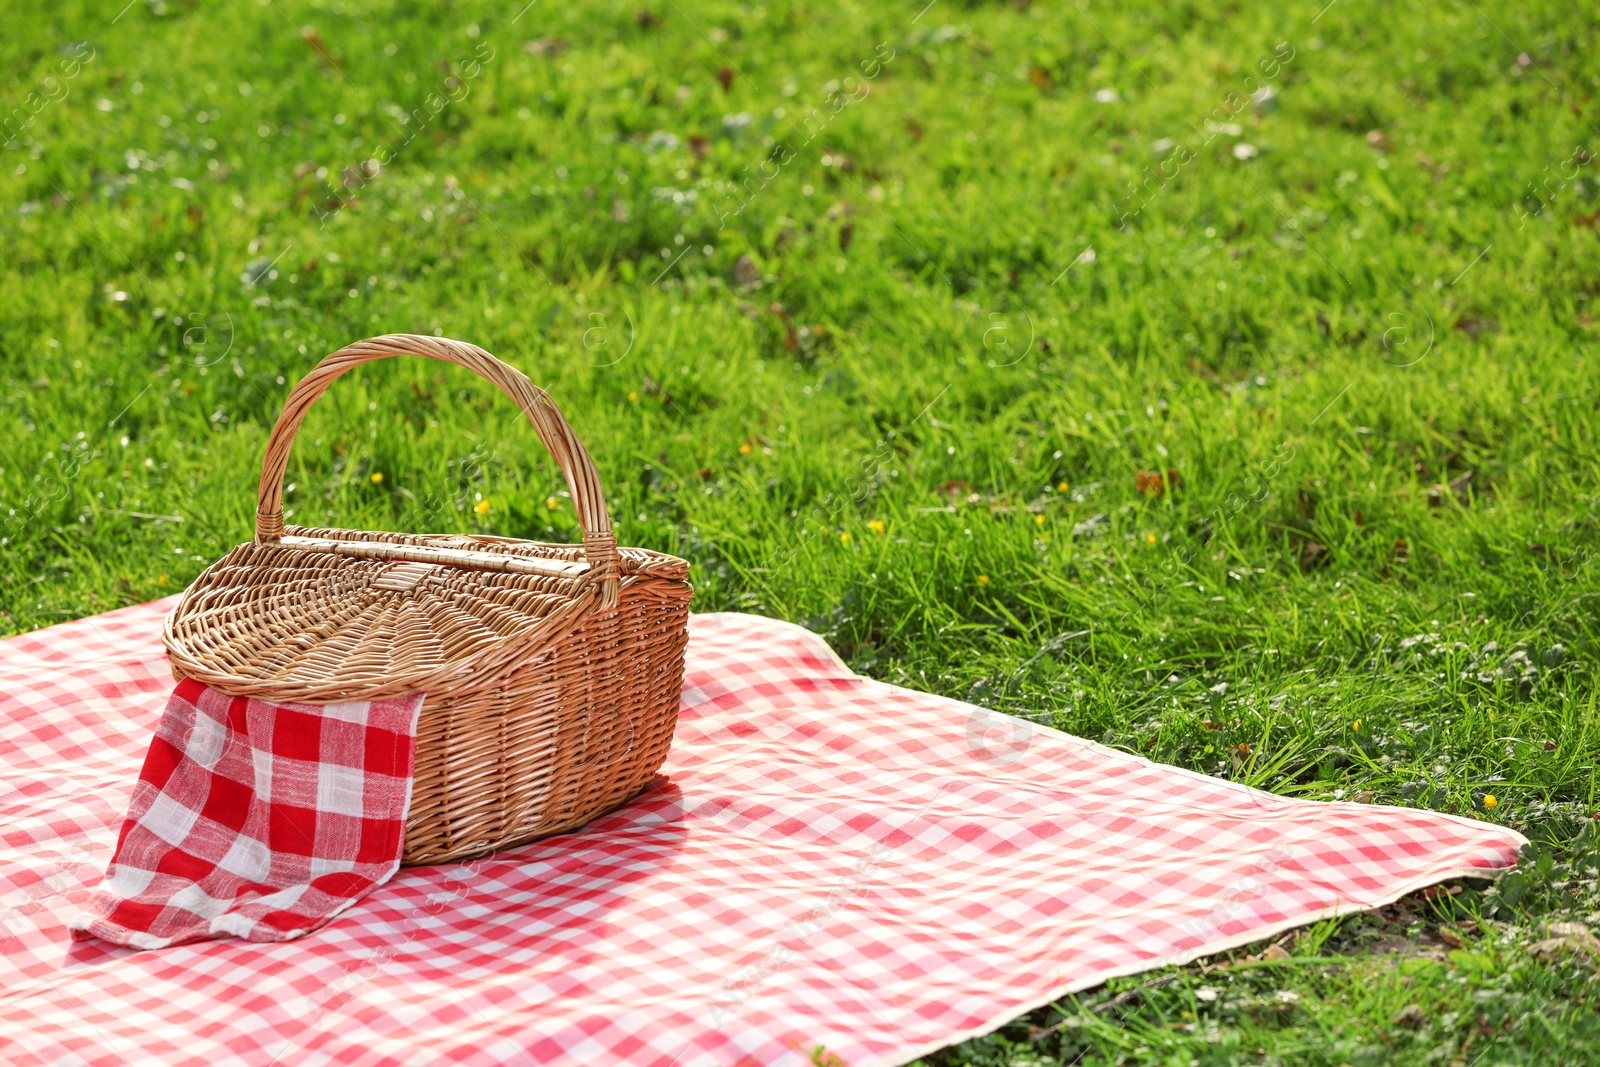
pixel 258 820
pixel 824 861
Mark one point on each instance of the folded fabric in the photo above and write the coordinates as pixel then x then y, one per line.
pixel 258 820
pixel 828 869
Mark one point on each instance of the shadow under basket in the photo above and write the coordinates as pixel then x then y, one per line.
pixel 553 672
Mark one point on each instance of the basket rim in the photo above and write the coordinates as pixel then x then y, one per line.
pixel 649 561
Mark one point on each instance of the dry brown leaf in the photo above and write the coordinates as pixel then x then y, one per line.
pixel 314 39
pixel 1411 1015
pixel 1311 555
pixel 1564 938
pixel 549 47
pixel 1552 948
pixel 746 272
pixel 1475 326
pixel 1155 483
pixel 1456 487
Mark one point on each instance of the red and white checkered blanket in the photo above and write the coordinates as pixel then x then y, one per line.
pixel 258 820
pixel 825 862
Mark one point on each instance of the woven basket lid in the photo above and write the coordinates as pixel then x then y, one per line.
pixel 319 616
pixel 294 621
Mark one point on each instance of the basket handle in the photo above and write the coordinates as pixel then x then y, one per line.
pixel 599 542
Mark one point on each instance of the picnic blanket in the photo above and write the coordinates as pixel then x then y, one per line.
pixel 826 864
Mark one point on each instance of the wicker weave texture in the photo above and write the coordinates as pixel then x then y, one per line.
pixel 552 671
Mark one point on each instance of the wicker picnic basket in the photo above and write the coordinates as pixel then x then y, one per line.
pixel 552 672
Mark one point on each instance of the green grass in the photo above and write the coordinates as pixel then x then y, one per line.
pixel 853 288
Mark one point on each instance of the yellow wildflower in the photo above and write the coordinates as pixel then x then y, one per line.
pixel 1150 539
pixel 377 476
pixel 1062 487
pixel 1039 519
pixel 1356 726
pixel 633 397
pixel 844 538
pixel 877 526
pixel 481 507
pixel 983 579
pixel 1489 801
pixel 551 502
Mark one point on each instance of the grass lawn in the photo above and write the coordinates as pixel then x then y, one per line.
pixel 1217 381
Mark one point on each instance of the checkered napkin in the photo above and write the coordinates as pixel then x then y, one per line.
pixel 258 820
pixel 827 869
